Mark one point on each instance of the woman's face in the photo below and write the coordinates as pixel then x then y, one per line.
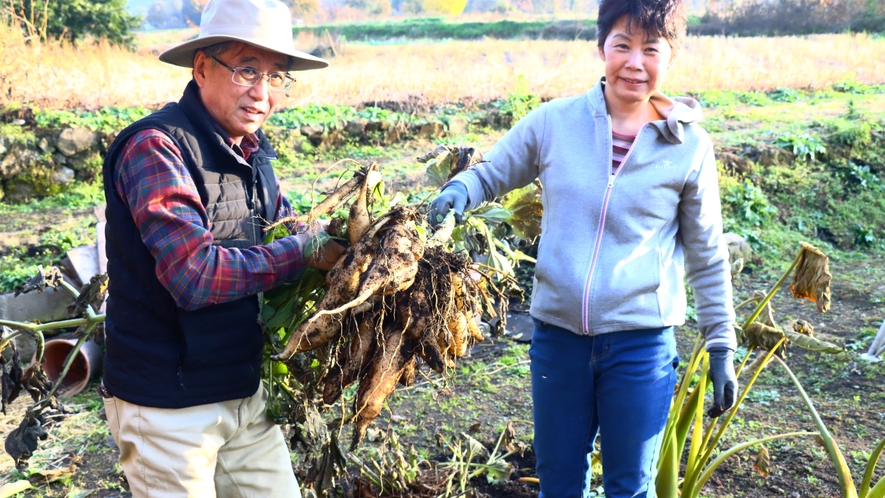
pixel 635 63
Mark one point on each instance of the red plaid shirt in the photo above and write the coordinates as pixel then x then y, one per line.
pixel 152 178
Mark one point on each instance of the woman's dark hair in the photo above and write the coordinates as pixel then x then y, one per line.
pixel 664 18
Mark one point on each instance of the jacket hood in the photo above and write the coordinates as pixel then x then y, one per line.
pixel 677 112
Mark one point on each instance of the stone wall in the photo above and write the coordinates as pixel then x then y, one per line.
pixel 41 162
pixel 37 162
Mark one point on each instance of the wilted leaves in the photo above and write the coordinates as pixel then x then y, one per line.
pixel 763 462
pixel 91 294
pixel 798 332
pixel 801 333
pixel 812 277
pixel 21 443
pixel 765 337
pixel 448 162
pixel 525 207
pixel 10 379
pixel 40 281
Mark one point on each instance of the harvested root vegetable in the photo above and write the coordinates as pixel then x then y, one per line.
pixel 352 358
pixel 380 380
pixel 358 221
pixel 458 329
pixel 342 281
pixel 407 378
pixel 393 268
pixel 389 300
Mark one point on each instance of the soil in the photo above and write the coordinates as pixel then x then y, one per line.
pixel 491 389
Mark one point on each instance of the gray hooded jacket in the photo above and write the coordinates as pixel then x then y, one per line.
pixel 615 248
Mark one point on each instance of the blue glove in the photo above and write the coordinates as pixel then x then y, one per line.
pixel 452 196
pixel 725 384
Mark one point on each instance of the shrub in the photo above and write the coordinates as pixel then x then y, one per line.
pixel 785 17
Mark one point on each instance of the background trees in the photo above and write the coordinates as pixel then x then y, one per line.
pixel 73 20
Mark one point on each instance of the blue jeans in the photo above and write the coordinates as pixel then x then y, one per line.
pixel 618 385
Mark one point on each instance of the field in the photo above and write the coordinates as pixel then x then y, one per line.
pixel 766 97
pixel 51 77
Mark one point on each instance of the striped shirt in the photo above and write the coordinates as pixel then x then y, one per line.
pixel 152 178
pixel 620 146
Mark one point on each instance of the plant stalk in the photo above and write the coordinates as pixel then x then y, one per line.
pixel 771 293
pixel 842 471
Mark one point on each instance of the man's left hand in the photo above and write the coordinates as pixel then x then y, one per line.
pixel 725 384
pixel 322 258
pixel 325 257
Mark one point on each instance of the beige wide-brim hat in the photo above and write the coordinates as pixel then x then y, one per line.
pixel 263 23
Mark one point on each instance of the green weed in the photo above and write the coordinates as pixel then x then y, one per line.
pixel 804 146
pixel 105 119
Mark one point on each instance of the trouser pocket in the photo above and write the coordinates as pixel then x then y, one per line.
pixel 110 410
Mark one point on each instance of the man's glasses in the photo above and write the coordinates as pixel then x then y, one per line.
pixel 249 76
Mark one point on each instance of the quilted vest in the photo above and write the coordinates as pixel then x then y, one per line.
pixel 158 354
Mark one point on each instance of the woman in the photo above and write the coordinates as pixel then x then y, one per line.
pixel 631 207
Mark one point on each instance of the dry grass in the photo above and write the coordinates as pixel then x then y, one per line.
pixel 53 76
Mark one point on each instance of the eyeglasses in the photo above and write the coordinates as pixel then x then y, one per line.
pixel 249 76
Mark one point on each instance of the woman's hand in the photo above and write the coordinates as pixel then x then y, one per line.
pixel 725 384
pixel 452 196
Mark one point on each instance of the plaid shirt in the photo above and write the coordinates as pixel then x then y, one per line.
pixel 152 178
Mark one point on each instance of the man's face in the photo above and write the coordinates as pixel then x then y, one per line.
pixel 240 110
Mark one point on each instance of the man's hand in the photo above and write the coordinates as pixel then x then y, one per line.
pixel 453 196
pixel 323 257
pixel 725 385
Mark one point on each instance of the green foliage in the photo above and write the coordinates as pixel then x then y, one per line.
pixel 851 131
pixel 786 95
pixel 76 19
pixel 725 98
pixel 105 119
pixel 803 145
pixel 746 206
pixel 80 195
pixel 520 102
pixel 438 29
pixel 330 115
pixel 13 272
pixel 855 87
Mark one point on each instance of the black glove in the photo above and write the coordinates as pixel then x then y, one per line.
pixel 725 384
pixel 452 196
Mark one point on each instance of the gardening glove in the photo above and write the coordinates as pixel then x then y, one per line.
pixel 324 257
pixel 452 196
pixel 725 383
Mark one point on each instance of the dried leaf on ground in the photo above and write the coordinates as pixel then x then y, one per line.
pixel 763 462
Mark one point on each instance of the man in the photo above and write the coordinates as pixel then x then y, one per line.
pixel 188 189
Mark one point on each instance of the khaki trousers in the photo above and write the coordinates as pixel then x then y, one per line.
pixel 226 450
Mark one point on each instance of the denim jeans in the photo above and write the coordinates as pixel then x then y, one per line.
pixel 618 385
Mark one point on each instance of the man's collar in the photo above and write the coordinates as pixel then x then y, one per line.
pixel 247 146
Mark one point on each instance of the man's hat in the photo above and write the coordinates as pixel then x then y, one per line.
pixel 263 23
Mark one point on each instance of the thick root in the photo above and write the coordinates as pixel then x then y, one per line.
pixel 342 282
pixel 380 380
pixel 393 268
pixel 407 377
